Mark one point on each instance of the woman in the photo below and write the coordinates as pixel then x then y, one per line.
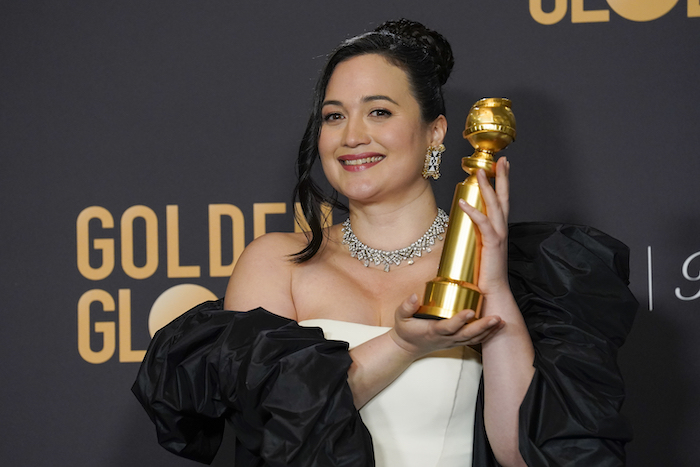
pixel 373 138
pixel 378 114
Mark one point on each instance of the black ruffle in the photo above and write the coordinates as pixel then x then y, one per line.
pixel 283 388
pixel 570 283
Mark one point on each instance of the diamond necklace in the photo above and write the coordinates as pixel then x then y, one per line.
pixel 370 255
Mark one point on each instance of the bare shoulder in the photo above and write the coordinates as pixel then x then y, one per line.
pixel 263 273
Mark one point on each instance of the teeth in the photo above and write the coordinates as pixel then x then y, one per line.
pixel 365 160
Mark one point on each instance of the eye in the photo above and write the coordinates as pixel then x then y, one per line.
pixel 332 117
pixel 380 113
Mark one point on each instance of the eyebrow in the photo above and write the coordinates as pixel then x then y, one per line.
pixel 377 97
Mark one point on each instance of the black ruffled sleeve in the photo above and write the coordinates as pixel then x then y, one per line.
pixel 570 283
pixel 282 387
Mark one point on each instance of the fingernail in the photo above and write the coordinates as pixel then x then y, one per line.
pixel 493 322
pixel 413 299
pixel 470 315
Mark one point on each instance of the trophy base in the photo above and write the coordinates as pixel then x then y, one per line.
pixel 445 298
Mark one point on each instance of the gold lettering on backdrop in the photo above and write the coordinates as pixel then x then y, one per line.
pixel 174 302
pixel 552 17
pixel 260 212
pixel 105 245
pixel 642 10
pixel 632 10
pixel 172 221
pixel 686 274
pixel 89 326
pixel 580 15
pixel 693 8
pixel 106 328
pixel 127 234
pixel 300 224
pixel 126 354
pixel 216 212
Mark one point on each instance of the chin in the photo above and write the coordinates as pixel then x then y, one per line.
pixel 363 195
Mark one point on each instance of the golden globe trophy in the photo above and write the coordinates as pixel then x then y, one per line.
pixel 490 127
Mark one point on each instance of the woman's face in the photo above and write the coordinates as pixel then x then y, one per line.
pixel 373 140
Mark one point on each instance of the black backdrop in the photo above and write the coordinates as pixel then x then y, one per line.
pixel 126 125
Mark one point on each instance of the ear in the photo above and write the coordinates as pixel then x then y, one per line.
pixel 437 131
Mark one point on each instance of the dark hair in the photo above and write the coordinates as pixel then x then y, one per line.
pixel 426 58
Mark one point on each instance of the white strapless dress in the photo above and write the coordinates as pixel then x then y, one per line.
pixel 424 418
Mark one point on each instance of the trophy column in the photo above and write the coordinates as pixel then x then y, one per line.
pixel 490 128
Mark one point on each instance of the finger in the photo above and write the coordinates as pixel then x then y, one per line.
pixel 492 201
pixel 463 324
pixel 483 337
pixel 487 191
pixel 408 307
pixel 503 185
pixel 480 328
pixel 473 213
pixel 488 333
pixel 478 217
pixel 448 327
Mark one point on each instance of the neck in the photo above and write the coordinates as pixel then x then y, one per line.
pixel 389 226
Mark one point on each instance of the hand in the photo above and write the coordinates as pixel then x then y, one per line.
pixel 493 275
pixel 419 337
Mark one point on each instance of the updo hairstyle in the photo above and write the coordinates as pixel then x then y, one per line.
pixel 426 58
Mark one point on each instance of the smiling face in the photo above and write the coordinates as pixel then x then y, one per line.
pixel 373 140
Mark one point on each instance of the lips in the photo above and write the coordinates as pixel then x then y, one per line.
pixel 357 162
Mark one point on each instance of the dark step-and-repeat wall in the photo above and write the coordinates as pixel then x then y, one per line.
pixel 144 144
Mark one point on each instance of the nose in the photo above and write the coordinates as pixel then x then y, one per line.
pixel 355 132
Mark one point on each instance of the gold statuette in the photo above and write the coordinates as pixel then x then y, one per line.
pixel 490 127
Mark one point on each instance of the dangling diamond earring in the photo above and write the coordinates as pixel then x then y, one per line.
pixel 433 157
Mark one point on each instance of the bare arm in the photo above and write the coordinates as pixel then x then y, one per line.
pixel 262 276
pixel 507 357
